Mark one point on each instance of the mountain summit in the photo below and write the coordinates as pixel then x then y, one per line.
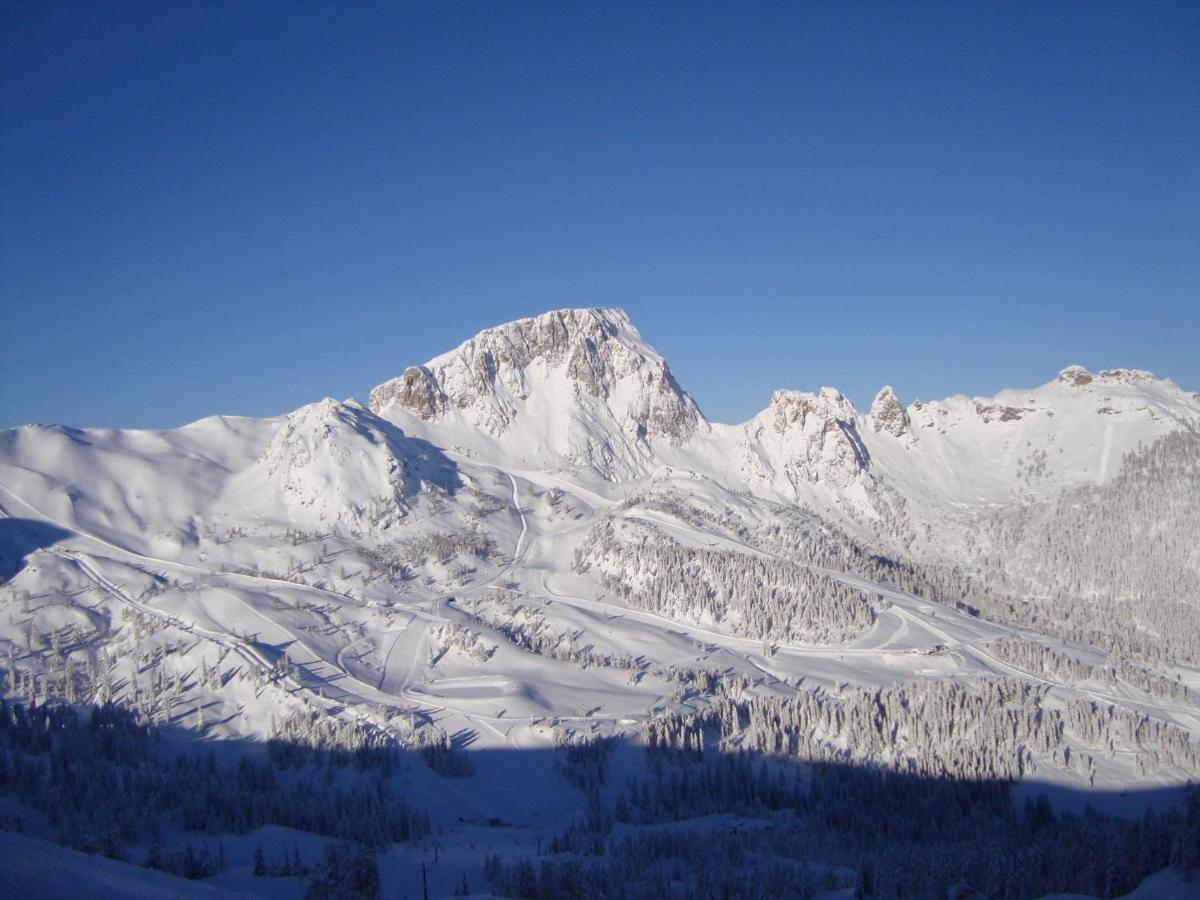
pixel 581 389
pixel 579 382
pixel 536 546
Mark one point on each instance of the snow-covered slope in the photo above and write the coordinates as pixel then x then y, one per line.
pixel 538 536
pixel 34 868
pixel 337 463
pixel 575 387
pixel 962 451
pixel 1072 430
pixel 145 489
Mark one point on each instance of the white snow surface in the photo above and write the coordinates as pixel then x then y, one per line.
pixel 34 868
pixel 481 472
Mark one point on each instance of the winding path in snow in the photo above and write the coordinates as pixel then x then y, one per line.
pixel 1106 451
pixel 244 649
pixel 907 608
pixel 409 643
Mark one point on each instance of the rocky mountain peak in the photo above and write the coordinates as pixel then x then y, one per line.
pixel 1127 376
pixel 888 414
pixel 1078 376
pixel 804 439
pixel 801 409
pixel 550 365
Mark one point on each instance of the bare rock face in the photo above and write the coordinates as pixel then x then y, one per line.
pixel 888 414
pixel 1076 376
pixel 571 364
pixel 999 412
pixel 1127 376
pixel 806 439
pixel 416 390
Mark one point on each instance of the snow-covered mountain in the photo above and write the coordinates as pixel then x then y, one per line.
pixel 577 387
pixel 808 439
pixel 581 390
pixel 537 540
pixel 1072 430
pixel 337 463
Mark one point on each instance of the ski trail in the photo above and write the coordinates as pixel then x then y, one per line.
pixel 413 639
pixel 238 647
pixel 414 636
pixel 690 630
pixel 1106 450
pixel 214 580
pixel 516 501
pixel 177 564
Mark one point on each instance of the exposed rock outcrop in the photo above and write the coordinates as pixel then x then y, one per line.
pixel 806 439
pixel 580 383
pixel 1076 376
pixel 595 353
pixel 888 414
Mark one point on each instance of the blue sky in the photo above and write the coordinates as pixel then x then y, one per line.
pixel 240 208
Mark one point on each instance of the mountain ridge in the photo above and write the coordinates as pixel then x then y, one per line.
pixel 544 546
pixel 580 389
pixel 558 327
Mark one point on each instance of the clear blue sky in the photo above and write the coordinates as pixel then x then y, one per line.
pixel 243 207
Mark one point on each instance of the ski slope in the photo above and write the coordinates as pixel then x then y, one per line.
pixel 413 565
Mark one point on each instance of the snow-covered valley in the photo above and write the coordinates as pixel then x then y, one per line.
pixel 539 582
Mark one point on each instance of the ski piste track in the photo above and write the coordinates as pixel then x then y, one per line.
pixel 402 659
pixel 353 689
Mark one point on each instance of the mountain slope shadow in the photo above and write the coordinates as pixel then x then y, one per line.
pixel 639 822
pixel 21 537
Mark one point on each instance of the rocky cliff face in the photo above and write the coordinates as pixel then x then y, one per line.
pixel 416 390
pixel 581 383
pixel 1078 376
pixel 888 414
pixel 580 388
pixel 803 439
pixel 593 353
